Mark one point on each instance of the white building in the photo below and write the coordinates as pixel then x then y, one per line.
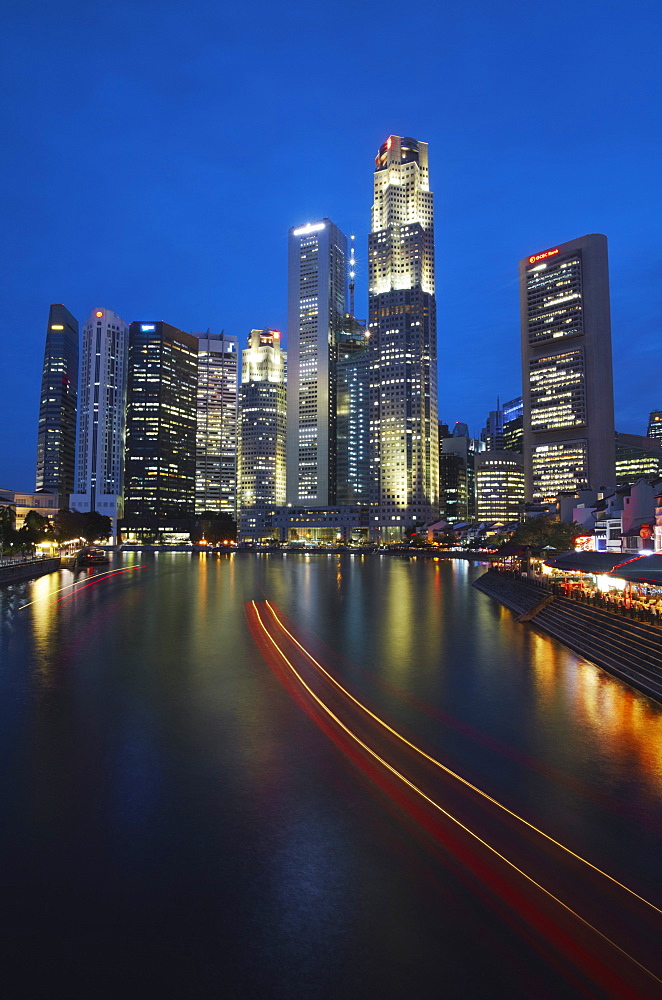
pixel 101 416
pixel 262 423
pixel 317 283
pixel 216 434
pixel 403 342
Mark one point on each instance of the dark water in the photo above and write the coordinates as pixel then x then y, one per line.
pixel 176 824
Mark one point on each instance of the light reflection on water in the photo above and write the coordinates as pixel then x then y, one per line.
pixel 161 741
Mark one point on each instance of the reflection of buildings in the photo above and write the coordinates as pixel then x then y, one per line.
pixel 101 411
pixel 56 436
pixel 216 428
pixel 567 369
pixel 403 342
pixel 637 456
pixel 316 306
pixel 160 426
pixel 499 486
pixel 262 422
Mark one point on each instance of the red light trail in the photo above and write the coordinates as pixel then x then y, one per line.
pixel 357 730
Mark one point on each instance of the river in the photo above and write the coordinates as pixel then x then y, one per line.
pixel 193 808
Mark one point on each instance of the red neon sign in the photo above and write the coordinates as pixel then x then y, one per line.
pixel 541 256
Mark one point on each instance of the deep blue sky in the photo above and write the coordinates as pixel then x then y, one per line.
pixel 156 153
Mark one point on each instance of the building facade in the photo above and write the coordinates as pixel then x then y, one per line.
pixel 457 476
pixel 500 486
pixel 513 425
pixel 160 425
pixel 404 459
pixel 352 414
pixel 100 436
pixel 655 425
pixel 263 424
pixel 567 369
pixel 216 424
pixel 317 291
pixel 637 456
pixel 56 434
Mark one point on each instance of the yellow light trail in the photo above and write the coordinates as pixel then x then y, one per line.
pixel 444 812
pixel 458 777
pixel 78 583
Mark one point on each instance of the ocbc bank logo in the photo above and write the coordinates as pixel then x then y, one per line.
pixel 541 256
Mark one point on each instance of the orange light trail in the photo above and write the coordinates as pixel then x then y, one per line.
pixel 82 584
pixel 435 805
pixel 454 774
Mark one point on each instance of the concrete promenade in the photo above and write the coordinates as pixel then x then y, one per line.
pixel 627 648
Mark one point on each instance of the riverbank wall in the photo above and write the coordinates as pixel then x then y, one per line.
pixel 630 650
pixel 28 570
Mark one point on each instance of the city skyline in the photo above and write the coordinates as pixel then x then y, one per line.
pixel 189 230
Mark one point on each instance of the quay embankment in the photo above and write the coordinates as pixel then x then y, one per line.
pixel 12 571
pixel 624 646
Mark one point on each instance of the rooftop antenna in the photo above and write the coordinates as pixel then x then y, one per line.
pixel 352 275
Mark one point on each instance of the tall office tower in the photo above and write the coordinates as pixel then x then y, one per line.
pixel 56 435
pixel 317 283
pixel 513 425
pixel 262 422
pixel 492 433
pixel 499 486
pixel 403 342
pixel 101 412
pixel 457 475
pixel 352 415
pixel 216 434
pixel 566 369
pixel 159 474
pixel 655 424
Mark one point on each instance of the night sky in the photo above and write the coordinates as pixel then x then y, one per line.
pixel 155 155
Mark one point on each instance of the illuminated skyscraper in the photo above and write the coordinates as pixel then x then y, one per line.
pixel 216 433
pixel 262 422
pixel 160 425
pixel 316 308
pixel 101 411
pixel 499 486
pixel 352 415
pixel 402 326
pixel 56 435
pixel 567 369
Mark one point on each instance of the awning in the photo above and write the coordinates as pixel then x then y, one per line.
pixel 509 549
pixel 589 562
pixel 644 569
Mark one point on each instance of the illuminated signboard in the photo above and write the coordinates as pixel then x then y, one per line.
pixel 276 335
pixel 99 313
pixel 56 326
pixel 310 227
pixel 541 256
pixel 147 327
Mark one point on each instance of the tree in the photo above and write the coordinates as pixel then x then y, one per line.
pixel 544 531
pixel 7 523
pixel 214 527
pixel 91 526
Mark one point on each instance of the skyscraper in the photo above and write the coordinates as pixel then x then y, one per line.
pixel 317 289
pixel 101 411
pixel 499 486
pixel 403 342
pixel 352 415
pixel 160 425
pixel 567 369
pixel 216 433
pixel 56 435
pixel 262 421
